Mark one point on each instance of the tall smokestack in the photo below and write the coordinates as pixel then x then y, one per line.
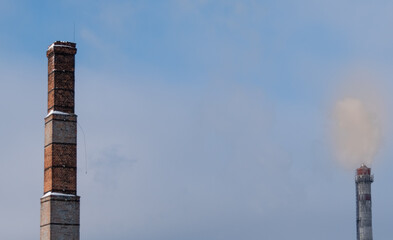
pixel 60 204
pixel 363 181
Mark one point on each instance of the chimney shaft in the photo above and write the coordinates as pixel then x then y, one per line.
pixel 363 182
pixel 60 204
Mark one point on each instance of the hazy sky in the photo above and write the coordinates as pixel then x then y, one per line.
pixel 204 120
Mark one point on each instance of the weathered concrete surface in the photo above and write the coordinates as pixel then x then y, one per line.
pixel 60 217
pixel 60 131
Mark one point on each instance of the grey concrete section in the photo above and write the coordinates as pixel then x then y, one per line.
pixel 60 217
pixel 45 212
pixel 60 210
pixel 57 131
pixel 60 232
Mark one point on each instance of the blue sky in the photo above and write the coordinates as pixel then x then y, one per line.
pixel 203 119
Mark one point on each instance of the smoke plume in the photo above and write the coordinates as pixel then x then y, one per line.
pixel 357 131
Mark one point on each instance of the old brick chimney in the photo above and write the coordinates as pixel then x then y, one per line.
pixel 60 204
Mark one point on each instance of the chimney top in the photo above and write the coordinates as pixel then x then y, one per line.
pixel 363 170
pixel 63 47
pixel 62 44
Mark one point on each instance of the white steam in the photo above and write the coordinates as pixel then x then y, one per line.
pixel 357 132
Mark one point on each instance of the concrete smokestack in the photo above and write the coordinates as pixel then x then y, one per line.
pixel 60 204
pixel 363 182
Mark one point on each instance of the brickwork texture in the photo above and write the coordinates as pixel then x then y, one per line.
pixel 60 204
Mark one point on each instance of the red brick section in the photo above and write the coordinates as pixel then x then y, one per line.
pixel 61 66
pixel 60 168
pixel 60 148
